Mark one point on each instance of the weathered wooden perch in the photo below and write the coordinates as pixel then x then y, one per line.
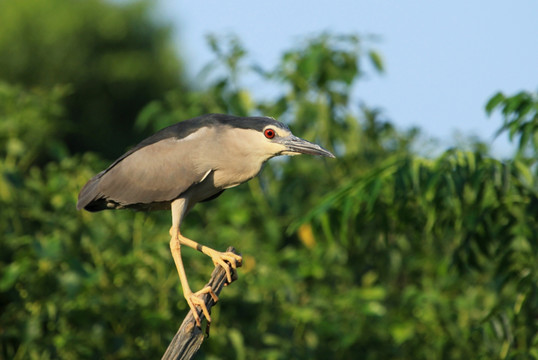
pixel 189 337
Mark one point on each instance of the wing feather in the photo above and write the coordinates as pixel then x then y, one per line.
pixel 159 172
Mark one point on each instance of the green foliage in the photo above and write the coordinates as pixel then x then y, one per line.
pixel 520 113
pixel 113 55
pixel 70 289
pixel 445 239
pixel 378 254
pixel 31 125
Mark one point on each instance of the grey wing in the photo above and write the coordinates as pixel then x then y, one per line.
pixel 159 172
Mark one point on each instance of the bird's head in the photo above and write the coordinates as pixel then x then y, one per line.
pixel 268 138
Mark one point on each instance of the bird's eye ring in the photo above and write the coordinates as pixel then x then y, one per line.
pixel 269 133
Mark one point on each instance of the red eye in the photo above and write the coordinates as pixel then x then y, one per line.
pixel 269 133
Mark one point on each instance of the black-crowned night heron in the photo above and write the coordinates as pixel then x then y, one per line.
pixel 192 161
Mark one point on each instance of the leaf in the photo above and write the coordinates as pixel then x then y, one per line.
pixel 494 101
pixel 377 61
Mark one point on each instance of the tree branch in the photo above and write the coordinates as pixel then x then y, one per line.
pixel 189 337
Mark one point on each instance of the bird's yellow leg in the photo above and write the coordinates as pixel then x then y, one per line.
pixel 179 208
pixel 193 299
pixel 219 258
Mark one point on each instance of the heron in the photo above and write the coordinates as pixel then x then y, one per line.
pixel 190 162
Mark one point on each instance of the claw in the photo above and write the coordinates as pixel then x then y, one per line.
pixel 227 260
pixel 195 299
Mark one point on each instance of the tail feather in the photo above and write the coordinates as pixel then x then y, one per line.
pixel 89 197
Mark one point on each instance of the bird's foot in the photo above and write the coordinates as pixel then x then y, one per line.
pixel 226 260
pixel 196 299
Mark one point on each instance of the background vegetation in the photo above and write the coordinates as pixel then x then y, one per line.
pixel 382 253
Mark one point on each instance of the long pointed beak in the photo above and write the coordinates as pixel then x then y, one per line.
pixel 295 145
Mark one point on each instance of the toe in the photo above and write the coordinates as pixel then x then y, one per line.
pixel 226 266
pixel 196 301
pixel 208 290
pixel 199 302
pixel 195 313
pixel 233 259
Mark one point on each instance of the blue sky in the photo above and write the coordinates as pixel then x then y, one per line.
pixel 443 59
